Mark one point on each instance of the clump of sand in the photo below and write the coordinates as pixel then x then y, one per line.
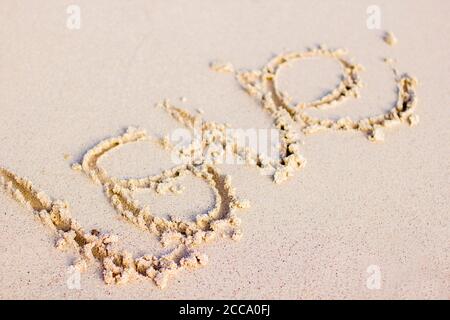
pixel 390 38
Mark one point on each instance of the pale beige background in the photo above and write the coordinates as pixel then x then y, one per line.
pixel 356 204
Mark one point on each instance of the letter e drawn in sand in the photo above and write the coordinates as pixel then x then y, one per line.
pixel 263 86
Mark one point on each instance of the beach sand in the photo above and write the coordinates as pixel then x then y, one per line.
pixel 356 210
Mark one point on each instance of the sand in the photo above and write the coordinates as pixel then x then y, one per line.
pixel 347 218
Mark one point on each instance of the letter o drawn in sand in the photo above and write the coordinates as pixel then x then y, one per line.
pixel 180 237
pixel 184 235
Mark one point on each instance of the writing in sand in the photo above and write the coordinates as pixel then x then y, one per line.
pixel 182 239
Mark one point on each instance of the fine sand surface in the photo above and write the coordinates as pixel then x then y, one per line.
pixel 356 206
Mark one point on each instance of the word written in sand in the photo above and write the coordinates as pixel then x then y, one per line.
pixel 180 239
